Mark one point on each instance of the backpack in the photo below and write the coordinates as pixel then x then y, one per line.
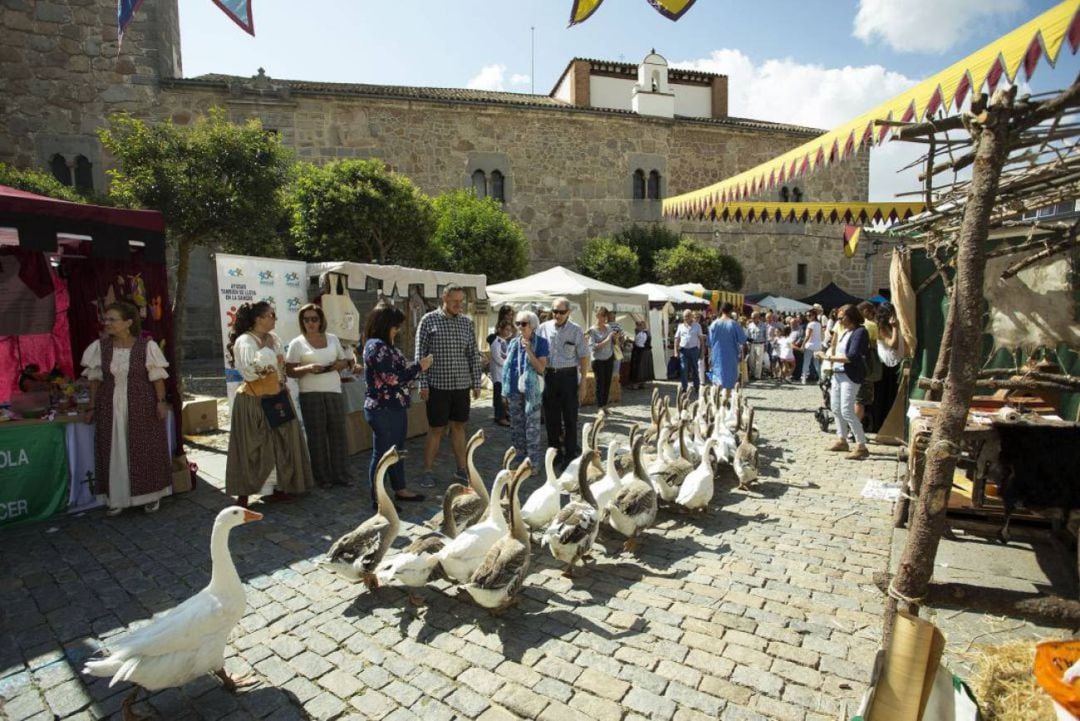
pixel 875 369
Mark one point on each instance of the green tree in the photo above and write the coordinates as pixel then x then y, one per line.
pixel 35 181
pixel 215 182
pixel 691 261
pixel 609 260
pixel 475 235
pixel 359 210
pixel 646 241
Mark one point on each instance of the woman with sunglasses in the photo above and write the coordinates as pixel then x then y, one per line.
pixel 255 446
pixel 315 358
pixel 523 387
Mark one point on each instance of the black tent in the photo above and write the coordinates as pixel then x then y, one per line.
pixel 831 296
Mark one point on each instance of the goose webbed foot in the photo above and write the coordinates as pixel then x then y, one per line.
pixel 232 685
pixel 126 712
pixel 417 600
pixel 630 545
pixel 370 581
pixel 569 572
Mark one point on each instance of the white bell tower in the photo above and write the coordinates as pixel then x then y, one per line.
pixel 652 94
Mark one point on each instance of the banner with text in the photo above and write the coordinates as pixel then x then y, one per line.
pixel 247 279
pixel 33 472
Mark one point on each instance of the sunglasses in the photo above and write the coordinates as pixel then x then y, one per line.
pixel 522 324
pixel 560 312
pixel 311 319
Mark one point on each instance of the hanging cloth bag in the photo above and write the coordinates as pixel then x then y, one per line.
pixel 342 317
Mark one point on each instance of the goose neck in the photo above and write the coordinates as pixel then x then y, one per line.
pixel 223 575
pixel 386 506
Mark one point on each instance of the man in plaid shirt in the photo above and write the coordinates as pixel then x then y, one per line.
pixel 450 338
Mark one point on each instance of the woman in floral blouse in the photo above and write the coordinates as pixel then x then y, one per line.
pixel 386 405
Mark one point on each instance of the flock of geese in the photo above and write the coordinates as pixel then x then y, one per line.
pixel 485 542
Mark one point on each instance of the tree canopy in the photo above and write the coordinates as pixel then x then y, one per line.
pixel 646 241
pixel 607 259
pixel 35 181
pixel 475 235
pixel 692 261
pixel 360 210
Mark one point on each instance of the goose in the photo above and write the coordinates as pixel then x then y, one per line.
pixel 189 640
pixel 745 460
pixel 568 479
pixel 572 532
pixel 469 508
pixel 413 565
pixel 698 487
pixel 667 473
pixel 463 555
pixel 508 458
pixel 495 582
pixel 543 503
pixel 604 490
pixel 634 507
pixel 357 554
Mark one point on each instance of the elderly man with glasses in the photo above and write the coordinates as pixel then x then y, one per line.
pixel 564 380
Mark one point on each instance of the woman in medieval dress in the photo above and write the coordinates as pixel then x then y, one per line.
pixel 128 408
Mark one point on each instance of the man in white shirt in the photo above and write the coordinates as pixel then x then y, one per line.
pixel 757 334
pixel 688 337
pixel 812 343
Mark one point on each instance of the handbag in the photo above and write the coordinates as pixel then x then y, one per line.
pixel 278 408
pixel 183 474
pixel 342 317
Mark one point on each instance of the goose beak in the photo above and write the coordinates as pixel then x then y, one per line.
pixel 250 516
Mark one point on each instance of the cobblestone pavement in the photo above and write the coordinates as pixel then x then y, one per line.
pixel 762 609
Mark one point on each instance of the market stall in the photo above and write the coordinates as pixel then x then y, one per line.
pixel 664 303
pixel 536 292
pixel 61 264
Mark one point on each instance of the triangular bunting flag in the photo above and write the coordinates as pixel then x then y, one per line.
pixel 239 11
pixel 851 239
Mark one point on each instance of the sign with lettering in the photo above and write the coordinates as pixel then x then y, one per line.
pixel 33 472
pixel 247 279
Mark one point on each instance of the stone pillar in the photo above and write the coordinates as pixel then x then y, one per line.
pixel 720 96
pixel 579 83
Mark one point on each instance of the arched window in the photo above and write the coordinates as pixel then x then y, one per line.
pixel 785 194
pixel 796 194
pixel 479 184
pixel 59 168
pixel 498 191
pixel 654 185
pixel 655 80
pixel 84 173
pixel 639 184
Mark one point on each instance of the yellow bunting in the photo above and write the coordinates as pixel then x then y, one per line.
pixel 852 233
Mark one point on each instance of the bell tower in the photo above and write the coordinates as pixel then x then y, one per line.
pixel 652 95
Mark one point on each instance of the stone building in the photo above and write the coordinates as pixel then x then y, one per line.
pixel 591 157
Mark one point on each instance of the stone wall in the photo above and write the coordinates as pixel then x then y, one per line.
pixel 570 169
pixel 61 76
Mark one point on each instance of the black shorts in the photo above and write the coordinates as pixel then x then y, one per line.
pixel 444 406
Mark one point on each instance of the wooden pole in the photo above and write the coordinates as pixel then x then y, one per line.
pixel 991 133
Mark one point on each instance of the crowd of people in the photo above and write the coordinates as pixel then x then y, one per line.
pixel 538 366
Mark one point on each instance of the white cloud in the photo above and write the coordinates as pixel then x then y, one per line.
pixel 786 91
pixel 925 26
pixel 490 77
pixel 519 79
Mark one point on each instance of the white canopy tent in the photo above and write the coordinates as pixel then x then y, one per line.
pixel 585 294
pixel 662 303
pixel 783 305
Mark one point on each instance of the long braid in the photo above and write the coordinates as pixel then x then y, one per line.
pixel 245 321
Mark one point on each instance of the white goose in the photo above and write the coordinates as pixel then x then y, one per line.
pixel 568 479
pixel 698 487
pixel 469 508
pixel 357 554
pixel 573 531
pixel 413 565
pixel 462 556
pixel 605 490
pixel 543 503
pixel 189 640
pixel 634 507
pixel 669 470
pixel 501 574
pixel 745 459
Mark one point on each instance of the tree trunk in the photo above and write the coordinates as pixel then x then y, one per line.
pixel 945 350
pixel 917 562
pixel 179 309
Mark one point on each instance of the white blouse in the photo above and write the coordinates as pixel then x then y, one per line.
pixel 155 362
pixel 249 359
pixel 301 352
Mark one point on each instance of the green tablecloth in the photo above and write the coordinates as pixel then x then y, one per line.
pixel 33 472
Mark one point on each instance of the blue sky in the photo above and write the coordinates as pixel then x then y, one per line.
pixel 815 62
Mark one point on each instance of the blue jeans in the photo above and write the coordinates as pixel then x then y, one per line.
pixel 842 397
pixel 388 427
pixel 688 364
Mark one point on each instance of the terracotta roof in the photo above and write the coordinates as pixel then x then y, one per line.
pixel 273 87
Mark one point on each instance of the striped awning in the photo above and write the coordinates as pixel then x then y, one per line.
pixel 1023 48
pixel 717 298
pixel 853 213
